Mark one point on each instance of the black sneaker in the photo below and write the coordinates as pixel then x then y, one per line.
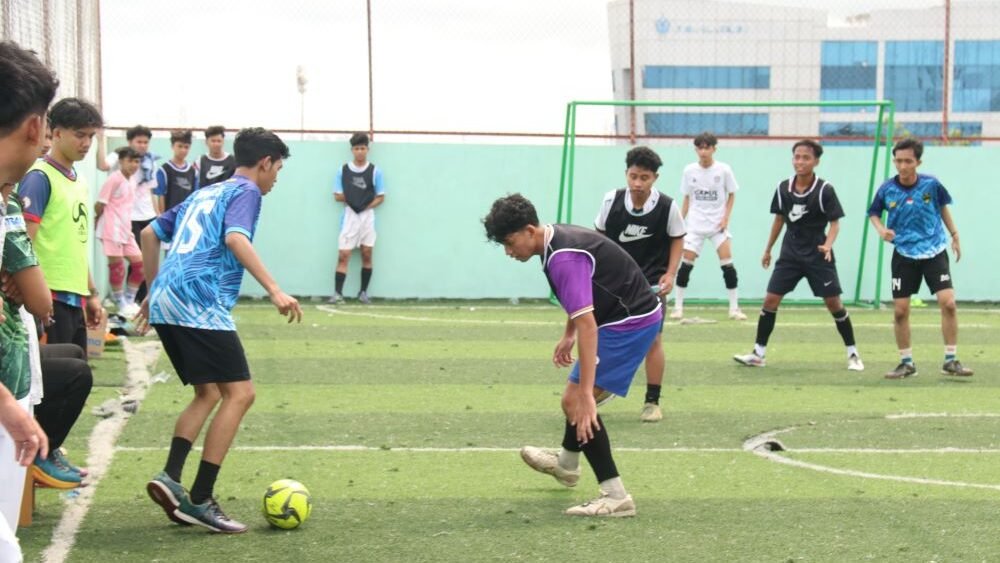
pixel 903 370
pixel 955 367
pixel 208 514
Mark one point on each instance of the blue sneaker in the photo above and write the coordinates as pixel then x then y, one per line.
pixel 208 514
pixel 61 458
pixel 51 472
pixel 168 494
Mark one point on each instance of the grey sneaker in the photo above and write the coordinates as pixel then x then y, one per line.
pixel 335 299
pixel 210 515
pixel 363 298
pixel 651 412
pixel 545 461
pixel 168 494
pixel 955 367
pixel 902 371
pixel 751 359
pixel 605 506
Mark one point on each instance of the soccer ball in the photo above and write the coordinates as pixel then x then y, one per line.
pixel 286 504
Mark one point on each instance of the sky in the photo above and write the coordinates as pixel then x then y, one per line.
pixel 443 65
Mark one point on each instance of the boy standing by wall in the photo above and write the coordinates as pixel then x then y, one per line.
pixel 216 166
pixel 360 187
pixel 113 210
pixel 177 178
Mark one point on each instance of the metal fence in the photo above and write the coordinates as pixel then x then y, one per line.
pixel 454 68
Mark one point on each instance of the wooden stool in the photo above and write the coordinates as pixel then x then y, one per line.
pixel 27 501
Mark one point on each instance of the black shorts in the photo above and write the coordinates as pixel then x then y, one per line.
pixel 907 272
pixel 822 276
pixel 204 356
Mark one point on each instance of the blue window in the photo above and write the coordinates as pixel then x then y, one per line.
pixel 710 77
pixel 977 76
pixel 914 74
pixel 689 124
pixel 849 72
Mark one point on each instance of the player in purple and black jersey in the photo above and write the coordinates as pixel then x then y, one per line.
pixel 612 315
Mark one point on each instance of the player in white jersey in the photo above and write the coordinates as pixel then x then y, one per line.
pixel 709 189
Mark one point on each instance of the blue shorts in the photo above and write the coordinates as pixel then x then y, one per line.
pixel 619 354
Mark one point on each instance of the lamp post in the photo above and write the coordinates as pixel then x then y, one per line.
pixel 300 79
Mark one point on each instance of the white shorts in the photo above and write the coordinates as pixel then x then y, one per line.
pixel 356 229
pixel 12 479
pixel 693 241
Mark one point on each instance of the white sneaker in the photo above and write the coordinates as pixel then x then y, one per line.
pixel 128 310
pixel 751 359
pixel 547 461
pixel 737 315
pixel 854 363
pixel 604 506
pixel 677 314
pixel 651 412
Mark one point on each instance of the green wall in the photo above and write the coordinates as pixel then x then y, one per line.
pixel 431 241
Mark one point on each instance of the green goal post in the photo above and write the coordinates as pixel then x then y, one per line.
pixel 885 120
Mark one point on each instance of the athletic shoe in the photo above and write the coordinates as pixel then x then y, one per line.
pixel 605 506
pixel 335 299
pixel 955 367
pixel 737 315
pixel 546 461
pixel 208 514
pixel 168 494
pixel 363 298
pixel 903 370
pixel 51 472
pixel 651 413
pixel 854 363
pixel 128 310
pixel 677 314
pixel 61 458
pixel 751 359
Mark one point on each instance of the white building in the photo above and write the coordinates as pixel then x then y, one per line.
pixel 719 51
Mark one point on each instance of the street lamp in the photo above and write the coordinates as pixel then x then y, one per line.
pixel 300 79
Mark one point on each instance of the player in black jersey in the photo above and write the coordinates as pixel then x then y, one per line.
pixel 216 166
pixel 649 226
pixel 806 203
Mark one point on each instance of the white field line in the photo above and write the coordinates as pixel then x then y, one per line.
pixel 102 449
pixel 941 415
pixel 411 318
pixel 473 449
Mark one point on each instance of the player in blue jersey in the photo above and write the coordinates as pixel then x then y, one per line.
pixel 189 304
pixel 916 220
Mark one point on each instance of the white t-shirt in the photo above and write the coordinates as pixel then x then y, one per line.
pixel 708 192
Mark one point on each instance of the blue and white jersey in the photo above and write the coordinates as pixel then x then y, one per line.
pixel 199 282
pixel 914 215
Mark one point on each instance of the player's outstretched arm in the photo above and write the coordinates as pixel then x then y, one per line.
pixel 240 246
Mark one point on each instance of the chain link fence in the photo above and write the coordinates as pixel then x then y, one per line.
pixel 66 36
pixel 457 68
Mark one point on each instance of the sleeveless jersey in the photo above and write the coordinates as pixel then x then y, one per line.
pixel 644 237
pixel 180 184
pixel 620 290
pixel 806 216
pixel 61 242
pixel 359 187
pixel 211 171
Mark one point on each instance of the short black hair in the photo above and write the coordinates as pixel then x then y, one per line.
pixel 359 139
pixel 180 136
pixel 214 130
pixel 509 215
pixel 817 148
pixel 26 86
pixel 909 143
pixel 643 157
pixel 254 143
pixel 706 138
pixel 74 113
pixel 127 152
pixel 138 131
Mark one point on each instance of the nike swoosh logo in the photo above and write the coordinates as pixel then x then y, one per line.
pixel 214 173
pixel 827 283
pixel 622 237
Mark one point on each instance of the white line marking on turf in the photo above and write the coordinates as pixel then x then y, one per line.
pixel 101 444
pixel 941 415
pixel 470 449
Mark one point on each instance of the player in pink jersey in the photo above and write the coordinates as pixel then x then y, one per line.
pixel 114 227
